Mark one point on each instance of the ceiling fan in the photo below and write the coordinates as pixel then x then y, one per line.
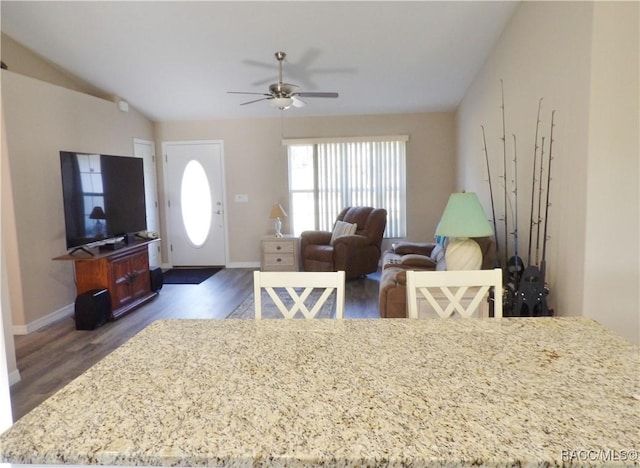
pixel 284 95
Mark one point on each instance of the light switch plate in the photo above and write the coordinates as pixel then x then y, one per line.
pixel 242 198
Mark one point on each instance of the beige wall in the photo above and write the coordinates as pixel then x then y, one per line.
pixel 612 250
pixel 21 60
pixel 41 120
pixel 256 165
pixel 7 241
pixel 546 52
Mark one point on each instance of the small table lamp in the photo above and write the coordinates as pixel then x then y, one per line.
pixel 98 213
pixel 277 212
pixel 463 217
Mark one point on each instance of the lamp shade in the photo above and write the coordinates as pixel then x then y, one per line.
pixel 464 217
pixel 277 211
pixel 97 213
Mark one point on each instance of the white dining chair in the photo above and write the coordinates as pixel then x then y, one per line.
pixel 448 292
pixel 299 287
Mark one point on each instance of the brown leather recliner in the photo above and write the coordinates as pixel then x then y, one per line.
pixel 357 254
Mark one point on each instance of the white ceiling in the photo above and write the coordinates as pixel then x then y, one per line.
pixel 177 60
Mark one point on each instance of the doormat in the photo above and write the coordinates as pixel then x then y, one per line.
pixel 188 275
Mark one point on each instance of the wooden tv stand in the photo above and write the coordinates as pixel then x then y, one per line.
pixel 123 272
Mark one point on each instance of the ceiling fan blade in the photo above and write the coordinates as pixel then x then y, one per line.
pixel 243 92
pixel 320 95
pixel 256 63
pixel 256 100
pixel 297 102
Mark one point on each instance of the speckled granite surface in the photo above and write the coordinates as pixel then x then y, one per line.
pixel 345 393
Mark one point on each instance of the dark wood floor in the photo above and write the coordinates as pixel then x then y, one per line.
pixel 53 356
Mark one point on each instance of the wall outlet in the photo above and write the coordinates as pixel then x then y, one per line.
pixel 242 198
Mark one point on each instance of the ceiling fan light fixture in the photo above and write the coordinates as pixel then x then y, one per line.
pixel 281 102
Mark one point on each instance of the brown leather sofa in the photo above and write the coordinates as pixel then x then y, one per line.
pixel 357 254
pixel 405 256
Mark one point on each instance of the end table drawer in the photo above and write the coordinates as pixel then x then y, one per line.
pixel 278 247
pixel 275 260
pixel 279 253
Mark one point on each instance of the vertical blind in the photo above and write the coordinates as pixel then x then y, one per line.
pixel 361 173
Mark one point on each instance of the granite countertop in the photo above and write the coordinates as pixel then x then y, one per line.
pixel 346 393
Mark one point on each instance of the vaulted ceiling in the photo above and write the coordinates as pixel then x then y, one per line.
pixel 177 60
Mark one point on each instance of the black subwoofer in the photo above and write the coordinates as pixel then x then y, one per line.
pixel 93 309
pixel 156 279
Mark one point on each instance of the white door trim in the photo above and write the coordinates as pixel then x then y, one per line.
pixel 155 254
pixel 165 179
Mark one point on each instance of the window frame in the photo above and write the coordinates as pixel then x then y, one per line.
pixel 400 171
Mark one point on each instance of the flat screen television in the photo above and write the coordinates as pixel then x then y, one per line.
pixel 103 197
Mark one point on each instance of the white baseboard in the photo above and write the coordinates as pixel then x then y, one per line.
pixel 167 266
pixel 244 265
pixel 66 311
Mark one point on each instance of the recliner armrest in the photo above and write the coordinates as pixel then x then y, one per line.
pixel 316 237
pixel 353 240
pixel 419 248
pixel 401 278
pixel 415 261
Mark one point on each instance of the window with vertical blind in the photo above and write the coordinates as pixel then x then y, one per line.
pixel 326 175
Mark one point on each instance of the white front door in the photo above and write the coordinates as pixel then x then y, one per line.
pixel 195 203
pixel 147 151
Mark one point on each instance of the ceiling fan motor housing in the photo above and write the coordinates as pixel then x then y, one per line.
pixel 282 89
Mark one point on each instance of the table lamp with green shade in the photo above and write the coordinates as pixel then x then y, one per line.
pixel 463 218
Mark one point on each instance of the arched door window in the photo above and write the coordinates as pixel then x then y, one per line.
pixel 196 203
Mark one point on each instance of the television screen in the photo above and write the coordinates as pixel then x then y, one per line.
pixel 103 196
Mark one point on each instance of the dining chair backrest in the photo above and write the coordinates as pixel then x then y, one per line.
pixel 299 286
pixel 453 291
